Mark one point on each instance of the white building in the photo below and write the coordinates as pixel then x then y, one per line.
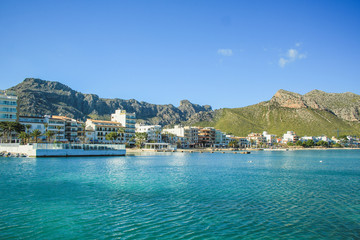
pixel 270 138
pixel 188 135
pixel 57 126
pixel 220 139
pixel 72 128
pixel 96 131
pixel 176 130
pixel 256 138
pixel 153 132
pixel 33 122
pixel 128 121
pixel 290 136
pixel 8 105
pixel 306 138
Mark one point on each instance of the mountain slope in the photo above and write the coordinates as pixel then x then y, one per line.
pixel 39 97
pixel 315 113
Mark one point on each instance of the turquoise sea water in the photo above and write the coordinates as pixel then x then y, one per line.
pixel 264 195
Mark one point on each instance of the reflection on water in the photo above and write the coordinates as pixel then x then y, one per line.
pixel 299 194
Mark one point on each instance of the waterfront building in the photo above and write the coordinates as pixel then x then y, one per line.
pixel 34 123
pixel 8 106
pixel 243 142
pixel 322 138
pixel 57 126
pixel 172 139
pixel 176 130
pixel 189 134
pixel 256 138
pixel 153 132
pixel 290 136
pixel 96 131
pixel 220 139
pixel 306 138
pixel 269 138
pixel 128 121
pixel 71 128
pixel 207 137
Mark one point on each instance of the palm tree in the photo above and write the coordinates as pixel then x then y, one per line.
pixel 28 126
pixel 112 136
pixel 49 135
pixel 121 132
pixel 58 128
pixel 35 134
pixel 23 136
pixel 140 139
pixel 83 134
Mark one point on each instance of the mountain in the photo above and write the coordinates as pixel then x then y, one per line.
pixel 40 97
pixel 315 113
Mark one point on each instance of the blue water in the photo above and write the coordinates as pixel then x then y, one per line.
pixel 264 195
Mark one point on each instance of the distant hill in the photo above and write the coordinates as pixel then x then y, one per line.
pixel 39 97
pixel 315 113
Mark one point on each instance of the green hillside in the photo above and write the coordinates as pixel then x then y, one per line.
pixel 277 120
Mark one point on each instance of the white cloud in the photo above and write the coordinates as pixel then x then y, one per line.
pixel 283 62
pixel 298 44
pixel 291 56
pixel 292 53
pixel 225 52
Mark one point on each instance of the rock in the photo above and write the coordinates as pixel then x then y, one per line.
pixel 39 97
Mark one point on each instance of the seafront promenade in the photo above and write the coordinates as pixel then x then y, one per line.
pixel 64 149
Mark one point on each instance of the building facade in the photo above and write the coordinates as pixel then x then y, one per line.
pixel 128 121
pixel 153 132
pixel 8 106
pixel 96 131
pixel 207 137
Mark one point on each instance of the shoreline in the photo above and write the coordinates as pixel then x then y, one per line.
pixel 137 151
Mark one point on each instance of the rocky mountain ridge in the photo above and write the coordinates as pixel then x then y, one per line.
pixel 40 97
pixel 344 105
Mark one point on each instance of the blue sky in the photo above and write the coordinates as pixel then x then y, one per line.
pixel 221 53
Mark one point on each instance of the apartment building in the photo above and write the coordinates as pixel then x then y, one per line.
pixel 8 106
pixel 128 121
pixel 153 132
pixel 290 136
pixel 96 131
pixel 256 138
pixel 71 128
pixel 207 137
pixel 57 126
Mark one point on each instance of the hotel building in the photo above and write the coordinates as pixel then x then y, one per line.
pixel 8 106
pixel 96 130
pixel 128 121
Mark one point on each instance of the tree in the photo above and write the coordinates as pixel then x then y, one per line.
pixel 58 132
pixel 299 143
pixel 322 143
pixel 83 133
pixel 24 136
pixel 49 135
pixel 233 144
pixel 112 136
pixel 308 143
pixel 35 134
pixel 140 138
pixel 9 127
pixel 28 126
pixel 121 132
